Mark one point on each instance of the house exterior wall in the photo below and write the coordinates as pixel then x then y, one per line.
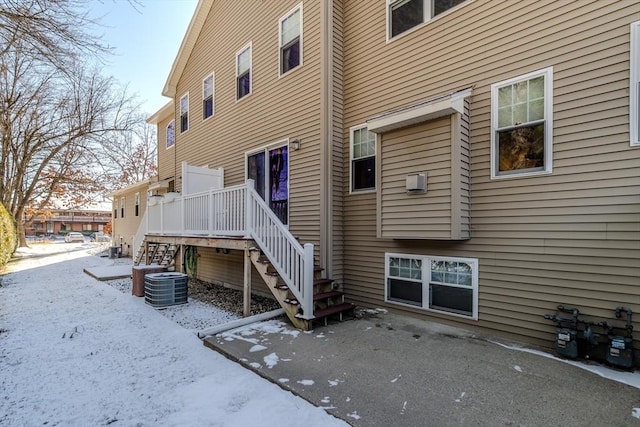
pixel 571 237
pixel 125 228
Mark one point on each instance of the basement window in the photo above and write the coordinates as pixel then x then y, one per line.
pixel 440 284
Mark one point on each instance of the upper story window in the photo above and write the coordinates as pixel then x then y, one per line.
pixel 122 207
pixel 363 159
pixel 243 72
pixel 184 112
pixel 137 204
pixel 634 89
pixel 403 15
pixel 291 40
pixel 207 96
pixel 522 125
pixel 171 133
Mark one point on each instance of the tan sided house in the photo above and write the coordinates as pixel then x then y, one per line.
pixel 471 162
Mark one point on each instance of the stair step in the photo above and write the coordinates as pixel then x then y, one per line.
pixel 333 309
pixel 318 282
pixel 291 301
pixel 324 295
pixel 282 287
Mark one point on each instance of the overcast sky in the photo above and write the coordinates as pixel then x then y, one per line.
pixel 146 37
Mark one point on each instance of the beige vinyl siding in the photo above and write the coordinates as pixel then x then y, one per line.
pixel 571 237
pixel 278 109
pixel 227 270
pixel 127 227
pixel 166 156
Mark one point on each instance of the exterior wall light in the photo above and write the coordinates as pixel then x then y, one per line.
pixel 295 144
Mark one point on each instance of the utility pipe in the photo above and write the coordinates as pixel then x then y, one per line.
pixel 240 322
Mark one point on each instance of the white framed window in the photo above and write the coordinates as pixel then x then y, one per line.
pixel 522 125
pixel 243 72
pixel 137 204
pixel 403 15
pixel 171 134
pixel 290 39
pixel 443 284
pixel 362 156
pixel 122 204
pixel 184 113
pixel 208 88
pixel 634 85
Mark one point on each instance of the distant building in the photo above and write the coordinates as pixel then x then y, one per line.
pixel 86 220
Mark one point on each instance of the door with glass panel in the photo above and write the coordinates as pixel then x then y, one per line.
pixel 269 169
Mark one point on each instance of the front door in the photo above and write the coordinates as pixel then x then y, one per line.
pixel 269 169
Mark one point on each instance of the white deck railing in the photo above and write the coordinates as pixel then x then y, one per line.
pixel 239 211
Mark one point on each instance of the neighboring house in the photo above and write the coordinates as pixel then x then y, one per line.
pixel 128 208
pixel 470 162
pixel 87 220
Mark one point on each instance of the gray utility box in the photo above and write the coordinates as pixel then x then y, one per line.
pixel 165 289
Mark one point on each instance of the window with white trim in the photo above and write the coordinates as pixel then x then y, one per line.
pixel 184 113
pixel 403 15
pixel 171 133
pixel 207 96
pixel 634 85
pixel 522 125
pixel 442 284
pixel 122 199
pixel 290 33
pixel 243 72
pixel 362 153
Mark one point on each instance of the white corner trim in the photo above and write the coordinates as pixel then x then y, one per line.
pixel 418 113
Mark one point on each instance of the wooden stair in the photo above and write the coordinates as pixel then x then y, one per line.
pixel 163 254
pixel 327 300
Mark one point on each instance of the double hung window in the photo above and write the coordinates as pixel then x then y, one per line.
pixel 184 112
pixel 243 72
pixel 291 40
pixel 403 15
pixel 171 133
pixel 363 159
pixel 522 125
pixel 207 96
pixel 443 284
pixel 137 204
pixel 122 204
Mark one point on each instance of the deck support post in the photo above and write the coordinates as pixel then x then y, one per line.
pixel 246 312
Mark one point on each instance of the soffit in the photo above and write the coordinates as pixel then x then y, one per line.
pixel 423 111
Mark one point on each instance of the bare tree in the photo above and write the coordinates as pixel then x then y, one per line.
pixel 55 31
pixel 51 125
pixel 129 157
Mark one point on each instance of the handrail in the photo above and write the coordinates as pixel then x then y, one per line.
pixel 240 211
pixel 293 262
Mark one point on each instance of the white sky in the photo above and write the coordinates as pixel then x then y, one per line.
pixel 146 37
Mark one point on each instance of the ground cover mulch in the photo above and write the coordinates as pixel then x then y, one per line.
pixel 228 299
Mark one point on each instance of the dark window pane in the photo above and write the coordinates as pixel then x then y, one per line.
pixel 521 148
pixel 244 84
pixel 404 291
pixel 184 122
pixel 255 166
pixel 406 16
pixel 364 173
pixel 440 6
pixel 291 56
pixel 451 299
pixel 207 107
pixel 279 182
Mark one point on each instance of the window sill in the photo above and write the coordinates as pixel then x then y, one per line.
pixel 430 310
pixel 521 175
pixel 291 71
pixel 356 192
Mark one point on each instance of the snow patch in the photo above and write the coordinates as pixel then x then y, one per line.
pixel 354 415
pixel 255 365
pixel 271 360
pixel 635 413
pixel 326 399
pixel 306 382
pixel 283 380
pixel 396 378
pixel 256 348
pixel 517 368
pixel 461 396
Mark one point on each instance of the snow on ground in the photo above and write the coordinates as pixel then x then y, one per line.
pixel 76 352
